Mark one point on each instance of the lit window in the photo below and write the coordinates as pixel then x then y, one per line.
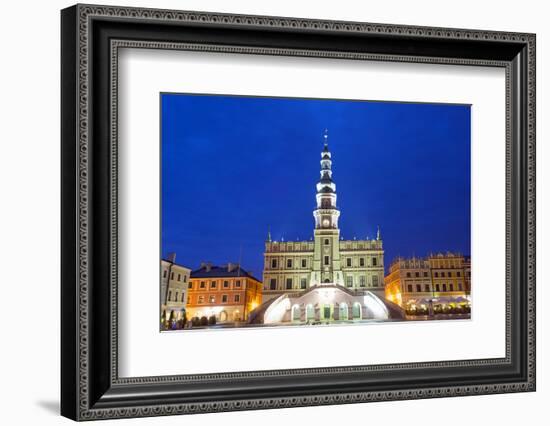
pixel 212 299
pixel 200 299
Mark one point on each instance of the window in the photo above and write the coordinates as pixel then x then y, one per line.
pixel 349 281
pixel 362 281
pixel 410 288
pixel 213 284
pixel 327 260
pixel 437 287
pixel 200 299
pixel 327 241
pixel 273 284
pixel 176 298
pixel 238 284
pixel 304 263
pixel 179 277
pixel 418 288
pixel 224 298
pixel 273 263
pixel 436 274
pixel 451 287
pixel 212 299
pixel 361 261
pixel 348 262
pixel 203 284
pixel 444 287
pixel 237 298
pixel 190 286
pixel 449 274
pixel 417 274
pixel 288 283
pixel 169 296
pixel 171 275
pixel 408 274
pixel 426 288
pixel 185 278
pixel 374 260
pixel 183 297
pixel 164 274
pixel 289 263
pixel 460 286
pixel 425 274
pixel 303 283
pixel 375 281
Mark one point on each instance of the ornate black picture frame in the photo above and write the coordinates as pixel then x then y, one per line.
pixel 91 36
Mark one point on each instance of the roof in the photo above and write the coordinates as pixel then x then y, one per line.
pixel 221 272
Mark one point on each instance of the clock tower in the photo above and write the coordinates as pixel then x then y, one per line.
pixel 326 258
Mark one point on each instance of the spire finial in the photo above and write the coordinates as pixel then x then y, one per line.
pixel 268 233
pixel 378 233
pixel 325 136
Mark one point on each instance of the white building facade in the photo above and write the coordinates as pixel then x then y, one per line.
pixel 357 265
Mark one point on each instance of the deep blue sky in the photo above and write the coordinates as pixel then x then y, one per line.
pixel 232 166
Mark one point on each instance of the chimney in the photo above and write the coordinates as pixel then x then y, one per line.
pixel 207 266
pixel 171 257
pixel 232 266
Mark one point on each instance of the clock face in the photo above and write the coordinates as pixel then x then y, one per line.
pixel 326 222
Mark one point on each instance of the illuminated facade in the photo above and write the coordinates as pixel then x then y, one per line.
pixel 439 278
pixel 357 265
pixel 227 292
pixel 174 280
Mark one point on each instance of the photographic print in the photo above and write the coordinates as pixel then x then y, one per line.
pixel 312 212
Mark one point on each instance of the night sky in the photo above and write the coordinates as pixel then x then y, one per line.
pixel 234 166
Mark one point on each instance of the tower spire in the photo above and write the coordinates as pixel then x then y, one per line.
pixel 326 214
pixel 268 233
pixel 378 233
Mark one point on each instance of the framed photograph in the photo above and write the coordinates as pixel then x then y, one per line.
pixel 265 212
